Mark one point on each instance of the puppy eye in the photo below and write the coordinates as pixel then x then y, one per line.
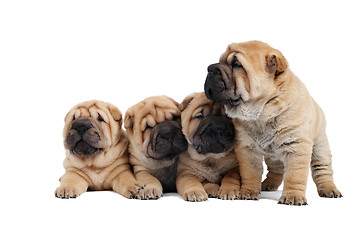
pixel 199 115
pixel 100 119
pixel 236 63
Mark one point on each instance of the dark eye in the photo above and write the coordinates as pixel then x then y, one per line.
pixel 199 115
pixel 236 64
pixel 100 119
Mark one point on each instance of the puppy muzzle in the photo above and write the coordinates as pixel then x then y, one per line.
pixel 83 139
pixel 214 134
pixel 219 85
pixel 167 141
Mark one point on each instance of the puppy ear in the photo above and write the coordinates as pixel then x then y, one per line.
pixel 184 104
pixel 116 114
pixel 276 63
pixel 128 121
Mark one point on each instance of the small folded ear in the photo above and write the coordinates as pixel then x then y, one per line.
pixel 184 104
pixel 276 64
pixel 128 121
pixel 116 114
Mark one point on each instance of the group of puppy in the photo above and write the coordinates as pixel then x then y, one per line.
pixel 212 144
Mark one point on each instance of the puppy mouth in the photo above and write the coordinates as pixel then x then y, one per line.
pixel 203 150
pixel 234 102
pixel 82 148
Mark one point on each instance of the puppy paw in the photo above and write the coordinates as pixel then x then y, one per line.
pixel 293 199
pixel 246 194
pixel 149 191
pixel 228 192
pixel 332 192
pixel 211 189
pixel 131 191
pixel 269 186
pixel 67 192
pixel 195 196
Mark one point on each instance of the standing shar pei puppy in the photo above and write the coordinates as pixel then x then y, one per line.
pixel 96 152
pixel 156 140
pixel 210 159
pixel 275 118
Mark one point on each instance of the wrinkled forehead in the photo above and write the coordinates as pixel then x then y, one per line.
pixel 154 111
pixel 90 110
pixel 250 51
pixel 202 104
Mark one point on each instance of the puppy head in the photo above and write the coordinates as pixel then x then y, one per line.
pixel 207 129
pixel 91 127
pixel 153 126
pixel 246 78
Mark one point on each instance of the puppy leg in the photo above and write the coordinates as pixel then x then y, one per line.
pixel 250 168
pixel 71 185
pixel 126 185
pixel 211 189
pixel 274 176
pixel 321 167
pixel 190 188
pixel 230 186
pixel 297 165
pixel 151 188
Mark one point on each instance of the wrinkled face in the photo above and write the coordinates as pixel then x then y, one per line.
pixel 91 128
pixel 245 79
pixel 205 125
pixel 153 126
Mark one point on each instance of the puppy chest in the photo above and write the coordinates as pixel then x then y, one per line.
pixel 98 178
pixel 265 141
pixel 272 142
pixel 213 171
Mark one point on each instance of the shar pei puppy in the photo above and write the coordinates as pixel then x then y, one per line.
pixel 276 119
pixel 210 159
pixel 156 140
pixel 96 152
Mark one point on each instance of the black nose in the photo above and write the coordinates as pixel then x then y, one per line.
pixel 218 128
pixel 167 131
pixel 214 85
pixel 215 134
pixel 214 69
pixel 81 125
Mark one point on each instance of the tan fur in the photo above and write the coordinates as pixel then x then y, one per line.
pixel 279 120
pixel 149 112
pixel 108 170
pixel 199 175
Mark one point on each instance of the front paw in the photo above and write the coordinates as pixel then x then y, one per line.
pixel 149 191
pixel 228 192
pixel 211 189
pixel 247 194
pixel 293 199
pixel 195 196
pixel 329 191
pixel 67 192
pixel 132 191
pixel 268 185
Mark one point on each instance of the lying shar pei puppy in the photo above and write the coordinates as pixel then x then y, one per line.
pixel 210 159
pixel 96 152
pixel 156 140
pixel 276 118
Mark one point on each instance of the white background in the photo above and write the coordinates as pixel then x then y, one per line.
pixel 54 54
